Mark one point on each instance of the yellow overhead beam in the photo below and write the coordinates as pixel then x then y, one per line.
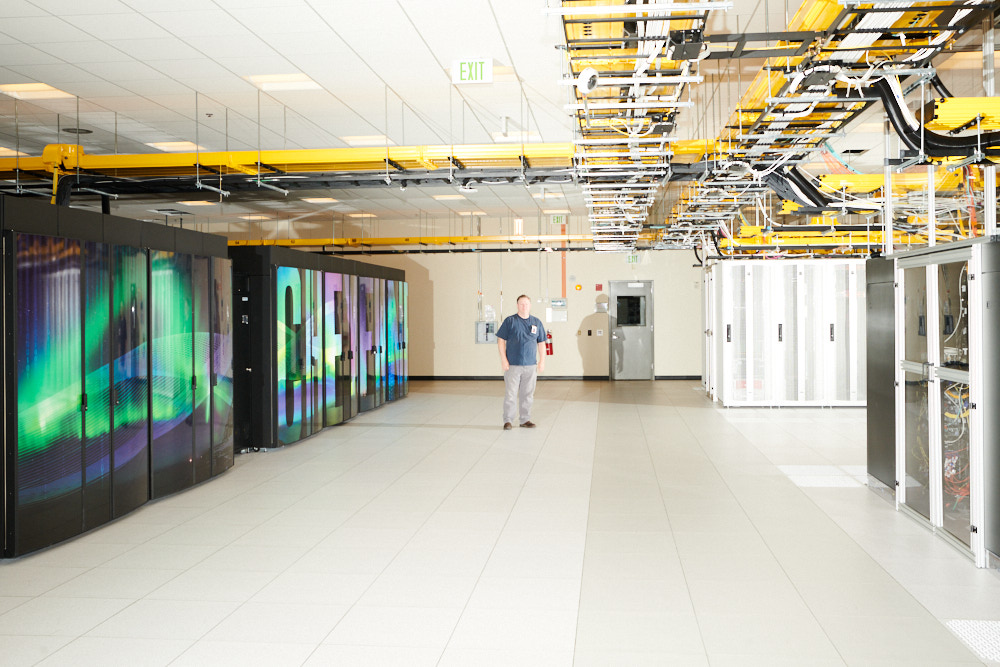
pixel 944 180
pixel 953 112
pixel 69 157
pixel 358 242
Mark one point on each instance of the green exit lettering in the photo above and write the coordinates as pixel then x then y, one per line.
pixel 472 71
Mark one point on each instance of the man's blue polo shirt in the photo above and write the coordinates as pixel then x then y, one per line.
pixel 523 336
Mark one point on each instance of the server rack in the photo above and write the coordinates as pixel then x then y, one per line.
pixel 786 332
pixel 946 467
pixel 309 343
pixel 116 369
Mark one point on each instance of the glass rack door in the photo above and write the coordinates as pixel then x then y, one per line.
pixel 916 446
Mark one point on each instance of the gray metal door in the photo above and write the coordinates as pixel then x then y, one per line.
pixel 631 315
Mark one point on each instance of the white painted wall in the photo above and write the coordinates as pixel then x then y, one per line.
pixel 443 308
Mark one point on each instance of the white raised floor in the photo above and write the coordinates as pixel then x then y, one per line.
pixel 639 524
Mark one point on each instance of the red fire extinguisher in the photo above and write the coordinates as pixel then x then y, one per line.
pixel 548 343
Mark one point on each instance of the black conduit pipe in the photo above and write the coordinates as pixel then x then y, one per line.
pixel 934 144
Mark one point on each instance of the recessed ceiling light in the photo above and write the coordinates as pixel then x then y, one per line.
pixel 198 202
pixel 77 130
pixel 548 195
pixel 168 211
pixel 361 141
pixel 472 212
pixel 10 152
pixel 276 82
pixel 361 215
pixel 176 146
pixel 448 197
pixel 33 91
pixel 555 211
pixel 259 217
pixel 321 200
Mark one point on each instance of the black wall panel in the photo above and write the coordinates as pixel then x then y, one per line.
pixel 881 327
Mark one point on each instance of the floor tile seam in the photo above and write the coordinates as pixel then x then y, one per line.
pixel 842 530
pixel 663 503
pixel 798 592
pixel 311 549
pixel 493 550
pixel 424 523
pixel 69 641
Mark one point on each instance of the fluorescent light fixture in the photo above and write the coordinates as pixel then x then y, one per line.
pixel 176 146
pixel 362 141
pixel 278 82
pixel 518 227
pixel 10 152
pixel 448 197
pixel 515 137
pixel 548 195
pixel 33 91
pixel 634 10
pixel 651 104
pixel 361 215
pixel 472 212
pixel 198 202
pixel 555 211
pixel 258 217
pixel 321 200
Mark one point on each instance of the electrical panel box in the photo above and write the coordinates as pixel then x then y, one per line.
pixel 486 332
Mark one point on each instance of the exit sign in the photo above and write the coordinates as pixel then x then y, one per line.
pixel 632 258
pixel 472 70
pixel 557 219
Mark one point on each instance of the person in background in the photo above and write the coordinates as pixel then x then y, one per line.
pixel 521 339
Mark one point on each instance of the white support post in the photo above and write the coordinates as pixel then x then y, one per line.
pixel 931 205
pixel 887 192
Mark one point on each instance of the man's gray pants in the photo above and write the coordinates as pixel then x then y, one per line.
pixel 520 384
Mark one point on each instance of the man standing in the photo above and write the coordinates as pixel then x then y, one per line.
pixel 521 339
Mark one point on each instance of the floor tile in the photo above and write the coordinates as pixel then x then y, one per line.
pixel 641 524
pixel 278 623
pixel 243 653
pixel 104 651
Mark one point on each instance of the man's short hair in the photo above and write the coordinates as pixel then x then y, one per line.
pixel 523 296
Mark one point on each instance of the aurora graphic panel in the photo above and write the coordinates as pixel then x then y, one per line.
pixel 48 457
pixel 130 375
pixel 299 354
pixel 96 261
pixel 392 341
pixel 349 325
pixel 367 349
pixel 222 365
pixel 172 400
pixel 405 333
pixel 333 399
pixel 314 356
pixel 201 420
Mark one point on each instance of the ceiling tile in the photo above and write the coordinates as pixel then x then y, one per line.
pixel 112 26
pixel 229 46
pixel 267 21
pixel 122 71
pixel 85 52
pixel 74 7
pixel 169 48
pixel 61 75
pixel 43 29
pixel 200 23
pixel 22 54
pixel 12 8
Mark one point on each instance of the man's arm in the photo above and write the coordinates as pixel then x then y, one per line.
pixel 541 357
pixel 502 346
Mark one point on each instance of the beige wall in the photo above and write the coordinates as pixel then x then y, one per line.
pixel 443 307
